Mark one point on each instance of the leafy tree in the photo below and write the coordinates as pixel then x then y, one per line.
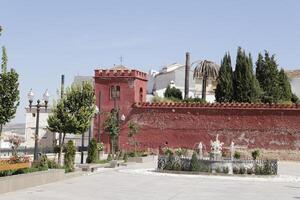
pixel 204 70
pixel 133 130
pixel 224 89
pixel 9 92
pixel 73 113
pixel 80 103
pixel 112 127
pixel 284 87
pixel 61 121
pixel 69 160
pixel 92 152
pixel 246 87
pixel 172 92
pixel 267 75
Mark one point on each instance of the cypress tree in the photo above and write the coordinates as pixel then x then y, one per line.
pixel 268 77
pixel 284 86
pixel 255 88
pixel 246 88
pixel 224 89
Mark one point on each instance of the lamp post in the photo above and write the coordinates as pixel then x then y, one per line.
pixel 38 106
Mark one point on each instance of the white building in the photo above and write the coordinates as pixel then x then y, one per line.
pixel 46 138
pixel 294 76
pixel 175 74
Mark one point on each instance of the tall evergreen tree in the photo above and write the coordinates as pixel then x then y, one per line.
pixel 284 86
pixel 267 75
pixel 246 88
pixel 224 89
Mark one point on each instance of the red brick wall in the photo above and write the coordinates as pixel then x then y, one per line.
pixel 248 125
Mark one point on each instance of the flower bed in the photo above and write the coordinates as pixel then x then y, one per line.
pixel 14 163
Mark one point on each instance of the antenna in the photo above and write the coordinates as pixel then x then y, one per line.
pixel 121 60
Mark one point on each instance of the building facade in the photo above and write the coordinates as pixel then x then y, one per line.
pixel 174 74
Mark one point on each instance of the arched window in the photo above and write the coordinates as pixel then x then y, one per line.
pixel 141 94
pixel 115 92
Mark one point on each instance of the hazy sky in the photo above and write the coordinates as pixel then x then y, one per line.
pixel 47 39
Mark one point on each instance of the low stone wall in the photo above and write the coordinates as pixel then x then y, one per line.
pixel 17 182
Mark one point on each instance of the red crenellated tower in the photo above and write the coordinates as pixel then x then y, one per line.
pixel 118 87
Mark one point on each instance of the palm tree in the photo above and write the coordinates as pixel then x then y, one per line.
pixel 205 69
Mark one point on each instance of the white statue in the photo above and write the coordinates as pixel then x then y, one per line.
pixel 200 149
pixel 232 149
pixel 216 146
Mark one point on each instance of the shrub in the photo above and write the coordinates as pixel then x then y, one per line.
pixel 168 151
pixel 170 162
pixel 70 152
pixel 225 170
pixel 52 164
pixel 242 170
pixel 195 166
pixel 237 155
pixel 255 154
pixel 249 171
pixel 218 170
pixel 125 157
pixel 41 163
pixel 179 152
pixel 235 170
pixel 194 100
pixel 172 92
pixel 92 152
pixel 109 158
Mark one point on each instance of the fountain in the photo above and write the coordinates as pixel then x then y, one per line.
pixel 216 149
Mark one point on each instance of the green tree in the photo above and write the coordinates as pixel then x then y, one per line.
pixel 112 127
pixel 205 70
pixel 92 152
pixel 73 113
pixel 172 92
pixel 133 130
pixel 9 92
pixel 69 158
pixel 284 87
pixel 61 121
pixel 246 87
pixel 268 78
pixel 224 89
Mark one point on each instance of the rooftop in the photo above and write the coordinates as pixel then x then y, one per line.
pixel 293 73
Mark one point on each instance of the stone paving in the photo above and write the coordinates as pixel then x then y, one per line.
pixel 135 182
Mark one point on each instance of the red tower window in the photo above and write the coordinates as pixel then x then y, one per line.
pixel 115 92
pixel 141 94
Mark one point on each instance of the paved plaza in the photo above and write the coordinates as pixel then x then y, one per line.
pixel 136 181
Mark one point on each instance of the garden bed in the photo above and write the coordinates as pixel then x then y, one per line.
pixel 257 167
pixel 4 166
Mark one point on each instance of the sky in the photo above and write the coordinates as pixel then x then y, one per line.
pixel 45 39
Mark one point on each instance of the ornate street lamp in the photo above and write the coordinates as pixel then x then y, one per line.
pixel 38 106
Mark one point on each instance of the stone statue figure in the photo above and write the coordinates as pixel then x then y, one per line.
pixel 200 150
pixel 216 148
pixel 232 150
